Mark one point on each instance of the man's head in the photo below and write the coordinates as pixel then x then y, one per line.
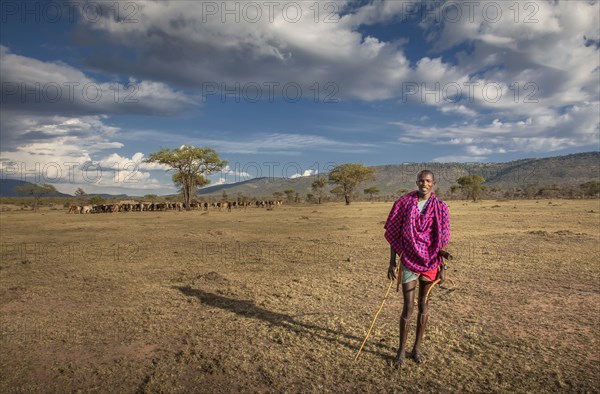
pixel 425 183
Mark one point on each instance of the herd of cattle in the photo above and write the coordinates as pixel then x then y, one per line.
pixel 170 206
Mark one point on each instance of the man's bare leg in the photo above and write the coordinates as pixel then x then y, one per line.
pixel 408 293
pixel 422 318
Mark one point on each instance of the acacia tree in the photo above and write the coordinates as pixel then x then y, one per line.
pixel 371 191
pixel 191 164
pixel 36 191
pixel 290 194
pixel 590 188
pixel 337 191
pixel 97 200
pixel 471 185
pixel 318 187
pixel 348 176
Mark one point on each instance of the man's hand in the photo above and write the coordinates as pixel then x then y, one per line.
pixel 392 271
pixel 442 275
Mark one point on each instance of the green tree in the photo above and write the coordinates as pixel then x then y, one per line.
pixel 471 185
pixel 590 188
pixel 337 191
pixel 371 191
pixel 318 187
pixel 277 195
pixel 151 197
pixel 36 191
pixel 310 198
pixel 196 181
pixel 290 194
pixel 191 164
pixel 348 176
pixel 97 200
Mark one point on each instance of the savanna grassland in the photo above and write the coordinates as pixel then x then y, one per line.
pixel 280 300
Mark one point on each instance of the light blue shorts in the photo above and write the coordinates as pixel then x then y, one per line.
pixel 409 276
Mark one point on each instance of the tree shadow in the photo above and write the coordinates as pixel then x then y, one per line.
pixel 249 309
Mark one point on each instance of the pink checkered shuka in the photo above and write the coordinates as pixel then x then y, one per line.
pixel 417 236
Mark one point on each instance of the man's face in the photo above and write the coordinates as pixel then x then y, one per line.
pixel 425 183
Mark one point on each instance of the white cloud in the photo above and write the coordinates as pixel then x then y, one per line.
pixel 307 172
pixel 53 119
pixel 576 126
pixel 266 50
pixel 60 150
pixel 32 85
pixel 284 144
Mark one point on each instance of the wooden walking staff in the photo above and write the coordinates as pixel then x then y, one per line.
pixel 399 276
pixel 446 256
pixel 398 271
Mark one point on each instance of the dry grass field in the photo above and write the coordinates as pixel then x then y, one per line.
pixel 279 301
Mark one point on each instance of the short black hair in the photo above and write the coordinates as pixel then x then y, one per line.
pixel 424 172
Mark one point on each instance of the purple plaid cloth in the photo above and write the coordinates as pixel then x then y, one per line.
pixel 417 236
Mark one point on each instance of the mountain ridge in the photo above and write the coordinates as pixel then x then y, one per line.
pixel 566 170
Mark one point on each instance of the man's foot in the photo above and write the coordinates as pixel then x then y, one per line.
pixel 399 360
pixel 418 357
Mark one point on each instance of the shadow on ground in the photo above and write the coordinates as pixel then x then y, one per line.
pixel 249 309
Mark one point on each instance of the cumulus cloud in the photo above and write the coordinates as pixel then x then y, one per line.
pixel 526 57
pixel 28 85
pixel 60 150
pixel 576 126
pixel 212 48
pixel 54 122
pixel 307 172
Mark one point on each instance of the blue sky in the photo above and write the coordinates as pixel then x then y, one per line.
pixel 290 88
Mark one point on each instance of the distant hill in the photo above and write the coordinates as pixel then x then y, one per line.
pixel 569 170
pixel 8 188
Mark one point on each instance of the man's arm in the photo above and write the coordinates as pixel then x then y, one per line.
pixel 442 267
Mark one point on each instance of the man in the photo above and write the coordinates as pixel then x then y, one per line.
pixel 417 228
